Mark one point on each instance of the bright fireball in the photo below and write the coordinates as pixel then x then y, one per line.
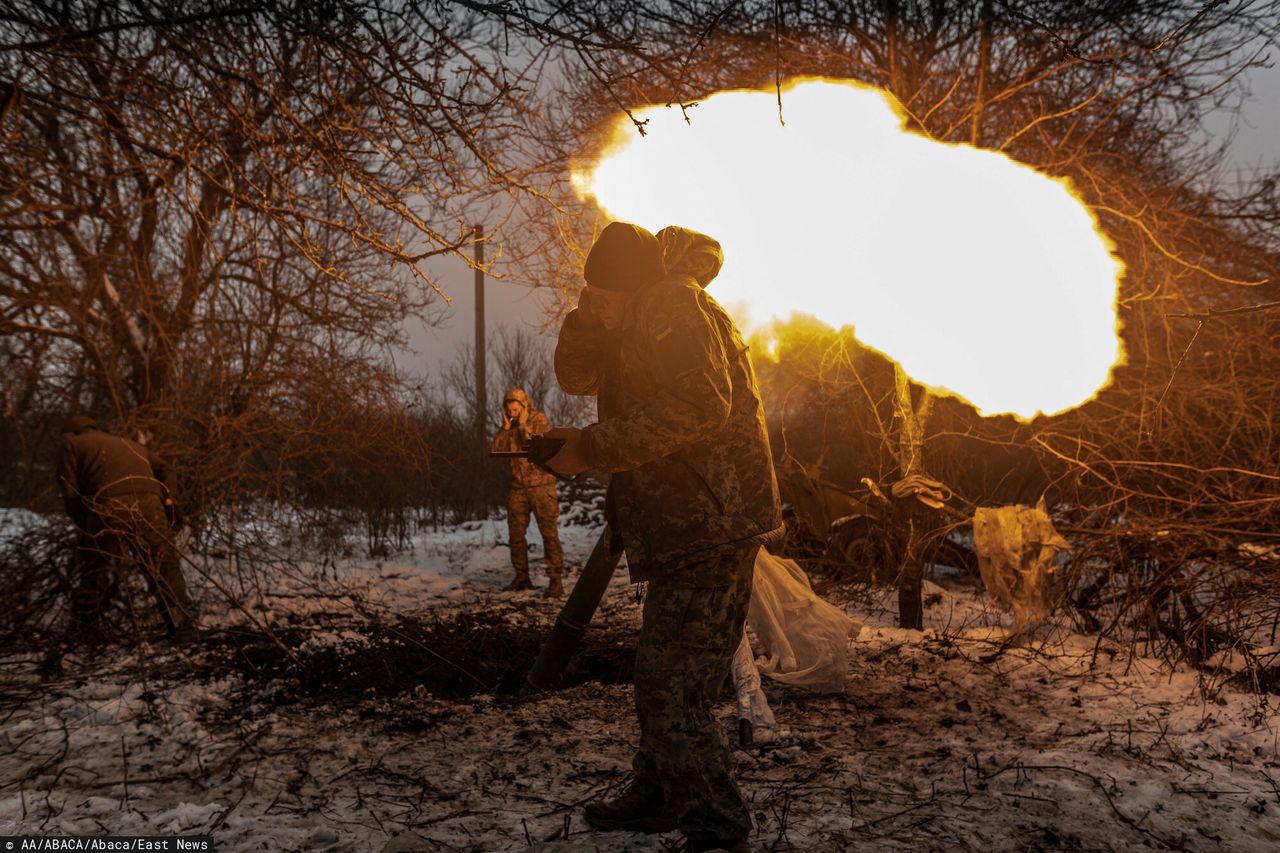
pixel 982 277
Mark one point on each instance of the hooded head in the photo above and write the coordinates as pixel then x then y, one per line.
pixel 517 396
pixel 624 258
pixel 686 252
pixel 78 424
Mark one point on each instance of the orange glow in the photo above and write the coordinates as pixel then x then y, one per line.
pixel 982 277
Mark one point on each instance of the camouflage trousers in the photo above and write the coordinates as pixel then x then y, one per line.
pixel 687 640
pixel 122 526
pixel 545 506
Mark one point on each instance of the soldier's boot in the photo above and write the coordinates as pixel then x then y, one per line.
pixel 555 587
pixel 640 808
pixel 520 583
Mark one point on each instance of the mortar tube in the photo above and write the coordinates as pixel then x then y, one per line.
pixel 574 617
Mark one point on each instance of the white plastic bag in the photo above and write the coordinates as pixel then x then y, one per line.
pixel 1017 557
pixel 752 704
pixel 806 640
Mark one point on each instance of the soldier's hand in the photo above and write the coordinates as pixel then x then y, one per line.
pixel 570 461
pixel 587 315
pixel 173 515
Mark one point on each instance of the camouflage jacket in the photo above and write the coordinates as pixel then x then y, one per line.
pixel 524 474
pixel 681 428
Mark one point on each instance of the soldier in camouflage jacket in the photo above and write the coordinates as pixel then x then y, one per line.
pixel 693 495
pixel 532 491
pixel 681 427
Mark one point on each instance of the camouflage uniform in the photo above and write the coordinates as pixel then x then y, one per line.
pixel 116 527
pixel 687 641
pixel 114 490
pixel 681 427
pixel 532 490
pixel 693 495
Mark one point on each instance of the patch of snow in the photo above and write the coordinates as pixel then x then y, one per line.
pixel 961 736
pixel 15 521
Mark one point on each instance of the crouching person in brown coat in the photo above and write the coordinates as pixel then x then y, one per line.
pixel 120 495
pixel 533 490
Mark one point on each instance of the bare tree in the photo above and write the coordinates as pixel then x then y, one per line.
pixel 201 202
pixel 1112 96
pixel 204 208
pixel 213 219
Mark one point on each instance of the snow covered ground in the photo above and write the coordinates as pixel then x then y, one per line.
pixel 945 739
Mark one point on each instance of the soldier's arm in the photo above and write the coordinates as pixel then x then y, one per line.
pixel 579 358
pixel 538 423
pixel 505 440
pixel 163 473
pixel 691 369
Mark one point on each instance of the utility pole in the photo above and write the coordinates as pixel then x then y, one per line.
pixel 480 390
pixel 481 405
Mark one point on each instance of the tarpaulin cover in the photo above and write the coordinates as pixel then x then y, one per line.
pixel 806 640
pixel 1017 556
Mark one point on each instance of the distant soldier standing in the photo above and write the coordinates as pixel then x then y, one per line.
pixel 532 490
pixel 120 495
pixel 693 495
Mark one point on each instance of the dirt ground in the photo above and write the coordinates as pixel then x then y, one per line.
pixel 400 722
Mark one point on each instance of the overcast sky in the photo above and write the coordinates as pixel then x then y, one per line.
pixel 1257 144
